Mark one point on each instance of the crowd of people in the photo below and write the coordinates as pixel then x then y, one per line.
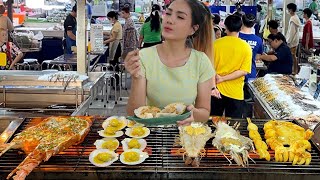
pixel 159 72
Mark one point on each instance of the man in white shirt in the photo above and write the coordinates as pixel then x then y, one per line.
pixel 292 35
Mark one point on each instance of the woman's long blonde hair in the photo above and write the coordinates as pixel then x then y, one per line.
pixel 201 16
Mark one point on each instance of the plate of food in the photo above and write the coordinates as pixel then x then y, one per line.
pixel 153 116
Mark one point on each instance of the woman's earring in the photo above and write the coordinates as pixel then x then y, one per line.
pixel 190 41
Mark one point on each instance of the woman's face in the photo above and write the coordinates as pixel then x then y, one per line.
pixel 176 24
pixel 3 36
pixel 112 20
pixel 218 34
pixel 124 15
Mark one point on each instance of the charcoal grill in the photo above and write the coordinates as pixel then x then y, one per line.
pixel 163 161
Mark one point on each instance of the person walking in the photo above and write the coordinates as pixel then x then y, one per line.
pixel 292 35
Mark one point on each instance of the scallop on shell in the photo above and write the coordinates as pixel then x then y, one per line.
pixel 146 112
pixel 110 132
pixel 126 143
pixel 118 122
pixel 174 108
pixel 107 143
pixel 103 157
pixel 137 132
pixel 133 157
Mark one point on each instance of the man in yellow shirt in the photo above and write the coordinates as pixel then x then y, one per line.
pixel 232 61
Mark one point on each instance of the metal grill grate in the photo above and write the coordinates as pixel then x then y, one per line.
pixel 162 157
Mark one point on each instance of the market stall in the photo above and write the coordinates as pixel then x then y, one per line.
pixel 48 92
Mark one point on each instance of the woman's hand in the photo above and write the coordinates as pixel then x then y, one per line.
pixel 190 119
pixel 132 63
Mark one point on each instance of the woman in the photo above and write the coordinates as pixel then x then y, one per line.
pixel 130 41
pixel 114 42
pixel 150 33
pixel 11 51
pixel 5 22
pixel 115 38
pixel 217 32
pixel 172 71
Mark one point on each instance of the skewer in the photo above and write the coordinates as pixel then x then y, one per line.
pixel 9 146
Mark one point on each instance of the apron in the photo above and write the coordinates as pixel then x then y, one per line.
pixel 113 49
pixel 70 42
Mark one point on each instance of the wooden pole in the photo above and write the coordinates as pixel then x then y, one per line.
pixel 81 37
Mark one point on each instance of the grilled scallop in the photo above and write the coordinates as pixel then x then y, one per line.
pixel 133 157
pixel 133 143
pixel 103 157
pixel 145 112
pixel 107 143
pixel 118 122
pixel 137 132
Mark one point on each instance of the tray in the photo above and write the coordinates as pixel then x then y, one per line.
pixel 161 120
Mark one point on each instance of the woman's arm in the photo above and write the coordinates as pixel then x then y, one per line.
pixel 202 104
pixel 112 38
pixel 138 94
pixel 16 60
pixel 140 40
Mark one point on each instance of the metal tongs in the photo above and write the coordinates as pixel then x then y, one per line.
pixel 73 77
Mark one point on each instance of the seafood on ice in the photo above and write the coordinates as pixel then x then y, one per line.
pixel 193 138
pixel 281 133
pixel 228 140
pixel 46 139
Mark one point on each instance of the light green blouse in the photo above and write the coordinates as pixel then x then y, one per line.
pixel 167 85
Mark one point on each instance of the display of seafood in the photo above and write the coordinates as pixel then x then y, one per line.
pixel 193 138
pixel 173 109
pixel 228 140
pixel 278 134
pixel 285 99
pixel 46 139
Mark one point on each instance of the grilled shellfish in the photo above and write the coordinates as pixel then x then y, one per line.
pixel 145 112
